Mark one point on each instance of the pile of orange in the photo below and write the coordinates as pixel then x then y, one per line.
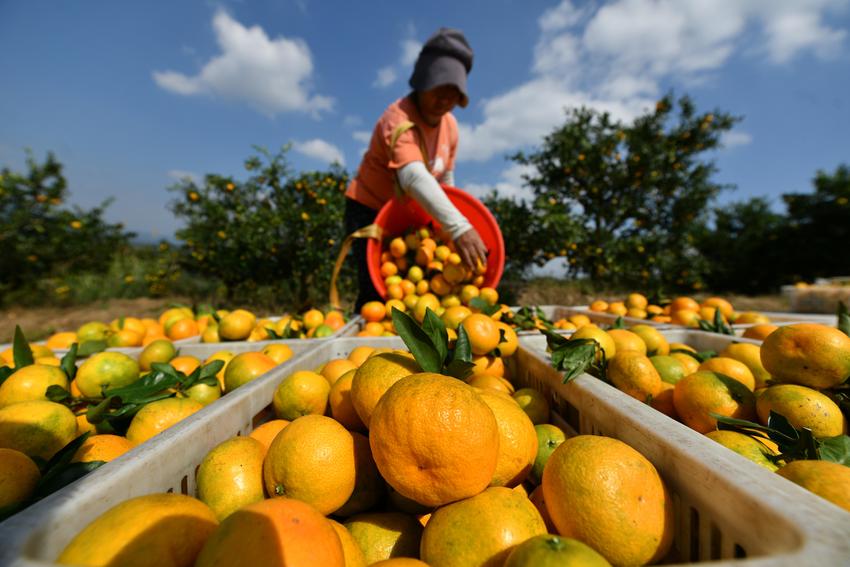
pixel 243 325
pixel 685 311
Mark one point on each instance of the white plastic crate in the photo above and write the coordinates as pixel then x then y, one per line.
pixel 729 510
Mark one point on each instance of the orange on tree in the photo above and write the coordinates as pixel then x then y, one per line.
pixel 517 440
pixel 434 439
pixel 628 518
pixel 31 383
pixel 168 530
pixel 301 393
pixel 312 460
pixel 375 376
pixel 156 417
pixel 385 535
pixel 19 476
pixel 245 367
pixel 104 447
pixel 481 529
pixel 106 370
pixel 231 476
pixel 808 354
pixel 37 428
pixel 702 393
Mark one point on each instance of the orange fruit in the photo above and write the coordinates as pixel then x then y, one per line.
pixel 681 303
pixel 549 437
pixel 312 460
pixel 490 295
pixel 483 333
pixel 375 376
pixel 31 383
pixel 634 374
pixel 488 364
pixel 158 416
pixel 102 448
pixel 434 439
pixel 359 354
pixel 373 329
pixel 732 368
pixel 533 403
pixel 803 407
pixel 342 408
pixel 165 529
pixel 599 305
pixel 373 311
pixel 491 382
pixel 278 352
pixel 185 364
pixel 161 350
pixel 106 370
pixel 702 393
pixel 552 550
pixel 335 320
pixel 313 318
pixel 369 487
pixel 628 518
pixel 37 428
pixel 688 362
pixel 605 341
pixel 400 562
pixel 225 356
pixel 125 338
pixel 61 341
pixel 231 476
pixel 808 354
pixel 671 369
pixel 480 530
pixel 663 400
pixel 203 394
pixel 277 532
pixel 720 304
pixel 453 316
pixel 266 432
pixel 828 480
pixel 627 340
pixel 183 329
pixel 517 440
pixel 536 498
pixel 509 342
pixel 93 331
pixel 350 549
pixel 745 446
pixel 236 325
pixel 301 393
pixel 244 368
pixel 751 318
pixel 759 332
pixel 686 317
pixel 750 355
pixel 83 425
pixel 385 535
pixel 655 341
pixel 19 476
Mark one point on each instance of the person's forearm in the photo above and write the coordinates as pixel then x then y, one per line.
pixel 418 182
pixel 449 178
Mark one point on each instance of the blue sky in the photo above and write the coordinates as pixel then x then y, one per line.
pixel 130 96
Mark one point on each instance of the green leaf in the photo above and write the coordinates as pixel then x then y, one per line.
pixel 69 362
pixel 64 455
pixel 572 357
pixel 21 351
pixel 835 449
pixel 619 323
pixel 843 318
pixel 97 413
pixel 417 341
pixel 463 348
pixel 459 368
pixel 63 477
pixel 5 372
pixel 738 391
pixel 89 348
pixel 273 334
pixel 436 331
pixel 57 394
pixel 480 305
pixel 149 388
pixel 211 369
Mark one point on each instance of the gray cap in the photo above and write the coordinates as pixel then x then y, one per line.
pixel 445 59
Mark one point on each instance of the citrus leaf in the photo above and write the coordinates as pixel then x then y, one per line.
pixel 459 369
pixel 843 318
pixel 417 341
pixel 97 413
pixel 88 348
pixel 480 305
pixel 436 331
pixel 64 455
pixel 63 477
pixel 738 391
pixel 69 362
pixel 21 352
pixel 463 348
pixel 835 449
pixel 212 368
pixel 619 323
pixel 273 334
pixel 56 393
pixel 5 372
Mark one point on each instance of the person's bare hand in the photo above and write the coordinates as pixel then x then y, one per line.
pixel 471 248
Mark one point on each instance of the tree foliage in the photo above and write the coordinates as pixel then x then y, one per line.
pixel 639 192
pixel 275 232
pixel 41 237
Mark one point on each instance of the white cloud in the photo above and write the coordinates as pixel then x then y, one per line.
pixel 271 75
pixel 362 136
pixel 352 121
pixel 320 150
pixel 386 77
pixel 735 138
pixel 510 185
pixel 182 175
pixel 617 56
pixel 389 74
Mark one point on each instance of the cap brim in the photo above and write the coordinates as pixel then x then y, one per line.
pixel 442 70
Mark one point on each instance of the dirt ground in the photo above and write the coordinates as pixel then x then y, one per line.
pixel 40 322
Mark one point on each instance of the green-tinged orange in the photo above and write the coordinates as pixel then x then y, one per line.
pixel 384 535
pixel 19 476
pixel 554 551
pixel 803 407
pixel 37 428
pixel 231 476
pixel 702 393
pixel 828 480
pixel 31 383
pixel 808 354
pixel 106 370
pixel 745 446
pixel 158 416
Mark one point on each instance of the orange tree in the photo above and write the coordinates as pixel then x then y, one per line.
pixel 273 234
pixel 638 191
pixel 41 237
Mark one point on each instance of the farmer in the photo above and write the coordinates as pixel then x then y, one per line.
pixel 412 150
